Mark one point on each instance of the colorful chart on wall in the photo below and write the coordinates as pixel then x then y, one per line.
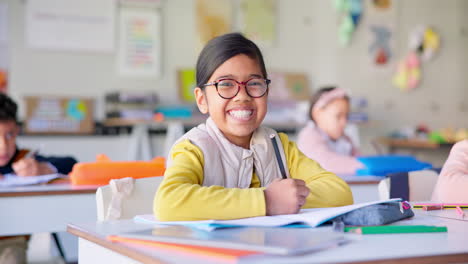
pixel 140 38
pixel 288 86
pixel 60 115
pixel 187 83
pixel 258 20
pixel 213 18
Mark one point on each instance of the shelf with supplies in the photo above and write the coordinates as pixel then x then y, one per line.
pixel 411 143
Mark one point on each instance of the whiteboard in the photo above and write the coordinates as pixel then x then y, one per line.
pixel 85 25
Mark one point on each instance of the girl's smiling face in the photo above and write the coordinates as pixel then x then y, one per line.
pixel 239 116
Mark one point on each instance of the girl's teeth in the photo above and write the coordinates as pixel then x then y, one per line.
pixel 241 113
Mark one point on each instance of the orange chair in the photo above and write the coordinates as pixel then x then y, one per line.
pixel 103 170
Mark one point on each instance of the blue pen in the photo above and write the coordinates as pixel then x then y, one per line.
pixel 278 156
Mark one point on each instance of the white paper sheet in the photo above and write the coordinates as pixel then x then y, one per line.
pixel 11 180
pixel 312 217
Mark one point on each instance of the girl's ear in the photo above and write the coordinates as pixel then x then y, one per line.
pixel 200 98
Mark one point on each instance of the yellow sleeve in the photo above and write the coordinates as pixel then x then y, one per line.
pixel 326 189
pixel 181 197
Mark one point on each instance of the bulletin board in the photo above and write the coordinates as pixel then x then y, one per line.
pixel 186 79
pixel 59 115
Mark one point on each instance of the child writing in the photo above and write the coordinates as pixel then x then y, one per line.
pixel 231 166
pixel 17 161
pixel 452 183
pixel 323 138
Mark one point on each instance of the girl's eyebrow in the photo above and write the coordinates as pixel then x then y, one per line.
pixel 256 75
pixel 230 76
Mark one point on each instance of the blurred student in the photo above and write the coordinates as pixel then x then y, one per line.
pixel 16 161
pixel 232 167
pixel 452 183
pixel 323 139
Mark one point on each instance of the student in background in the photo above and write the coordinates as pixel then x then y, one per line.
pixel 452 183
pixel 227 168
pixel 323 138
pixel 17 161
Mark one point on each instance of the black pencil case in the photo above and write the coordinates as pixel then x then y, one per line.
pixel 376 214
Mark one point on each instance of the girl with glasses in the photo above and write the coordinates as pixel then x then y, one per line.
pixel 231 166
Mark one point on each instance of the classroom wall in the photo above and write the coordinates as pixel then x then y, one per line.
pixel 307 42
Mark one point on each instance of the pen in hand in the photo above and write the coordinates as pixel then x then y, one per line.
pixel 278 156
pixel 32 154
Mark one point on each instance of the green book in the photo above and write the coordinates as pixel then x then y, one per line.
pixel 395 229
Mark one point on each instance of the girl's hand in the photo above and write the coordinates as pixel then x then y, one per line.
pixel 31 167
pixel 285 196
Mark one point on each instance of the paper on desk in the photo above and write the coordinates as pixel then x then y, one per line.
pixel 11 180
pixel 312 217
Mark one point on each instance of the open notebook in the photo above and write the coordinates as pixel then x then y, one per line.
pixel 311 217
pixel 281 241
pixel 11 180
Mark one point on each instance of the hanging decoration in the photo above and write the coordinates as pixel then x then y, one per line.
pixel 351 11
pixel 380 48
pixel 423 44
pixel 408 73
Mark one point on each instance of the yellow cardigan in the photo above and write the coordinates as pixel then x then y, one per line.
pixel 181 197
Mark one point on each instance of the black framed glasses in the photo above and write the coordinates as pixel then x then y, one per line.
pixel 229 88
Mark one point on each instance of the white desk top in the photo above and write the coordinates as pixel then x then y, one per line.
pixel 45 208
pixel 402 248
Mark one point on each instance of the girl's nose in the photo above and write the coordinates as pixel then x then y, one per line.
pixel 242 95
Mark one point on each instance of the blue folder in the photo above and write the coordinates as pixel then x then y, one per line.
pixel 385 164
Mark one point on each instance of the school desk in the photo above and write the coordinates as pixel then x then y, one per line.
pixel 451 246
pixel 364 188
pixel 45 208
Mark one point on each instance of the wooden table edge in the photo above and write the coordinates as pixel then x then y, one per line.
pixel 114 246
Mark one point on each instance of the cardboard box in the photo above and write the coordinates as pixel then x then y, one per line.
pixel 59 115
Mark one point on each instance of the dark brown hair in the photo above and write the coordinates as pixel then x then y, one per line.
pixel 221 49
pixel 316 96
pixel 8 108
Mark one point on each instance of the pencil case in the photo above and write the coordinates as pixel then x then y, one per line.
pixel 377 214
pixel 104 170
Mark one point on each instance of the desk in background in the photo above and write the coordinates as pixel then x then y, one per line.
pixel 413 144
pixel 399 248
pixel 45 208
pixel 424 150
pixel 364 188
